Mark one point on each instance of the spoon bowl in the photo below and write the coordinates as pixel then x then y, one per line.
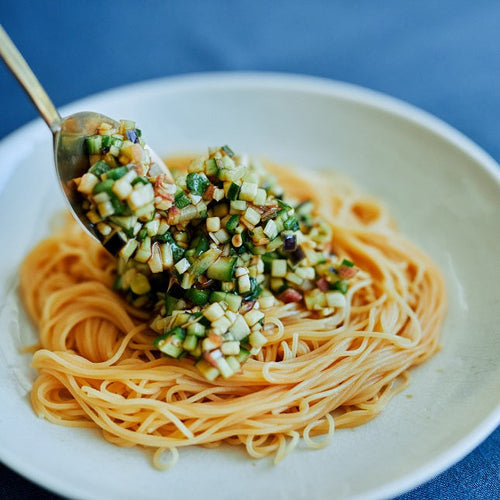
pixel 70 158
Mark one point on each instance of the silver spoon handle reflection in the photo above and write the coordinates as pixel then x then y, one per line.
pixel 20 69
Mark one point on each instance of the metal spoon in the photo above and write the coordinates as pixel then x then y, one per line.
pixel 69 133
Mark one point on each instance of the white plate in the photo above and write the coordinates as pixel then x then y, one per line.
pixel 445 193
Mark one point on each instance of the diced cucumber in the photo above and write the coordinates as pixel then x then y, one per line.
pixel 231 174
pixel 196 329
pixel 170 304
pixel 105 141
pixel 211 167
pixel 232 300
pixel 257 339
pixel 232 223
pixel 181 200
pixel 99 168
pixel 93 144
pixel 233 363
pixel 255 290
pixel 204 261
pixel 222 269
pixel 197 297
pixel 141 235
pixel 291 223
pixel 267 259
pixel 170 343
pixel 202 246
pixel 224 368
pixel 140 179
pixel 117 172
pixel 190 342
pixel 217 296
pixel 177 252
pixel 172 350
pixel 181 318
pixel 274 244
pixel 197 183
pixel 341 285
pixel 239 328
pixel 197 351
pixel 243 355
pixel 126 125
pixel 104 187
pixel 228 150
pixel 232 192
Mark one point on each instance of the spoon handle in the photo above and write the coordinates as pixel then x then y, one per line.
pixel 20 69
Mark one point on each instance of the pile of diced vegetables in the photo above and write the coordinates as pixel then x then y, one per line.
pixel 210 253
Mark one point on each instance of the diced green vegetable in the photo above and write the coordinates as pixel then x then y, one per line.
pixel 139 180
pixel 341 286
pixel 204 261
pixel 232 223
pixel 197 183
pixel 104 187
pixel 93 144
pixel 190 342
pixel 181 200
pixel 217 296
pixel 170 304
pixel 197 297
pixel 211 168
pixel 142 234
pixel 202 246
pixel 291 223
pixel 222 269
pixel 99 168
pixel 117 172
pixel 233 191
pixel 196 329
pixel 170 343
pixel 255 290
pixel 228 150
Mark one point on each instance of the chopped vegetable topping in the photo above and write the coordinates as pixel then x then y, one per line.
pixel 209 253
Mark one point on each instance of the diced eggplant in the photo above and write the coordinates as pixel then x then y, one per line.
pixel 115 242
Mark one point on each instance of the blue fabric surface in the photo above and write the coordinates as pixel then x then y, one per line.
pixel 443 56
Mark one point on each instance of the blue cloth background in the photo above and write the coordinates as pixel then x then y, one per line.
pixel 443 56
